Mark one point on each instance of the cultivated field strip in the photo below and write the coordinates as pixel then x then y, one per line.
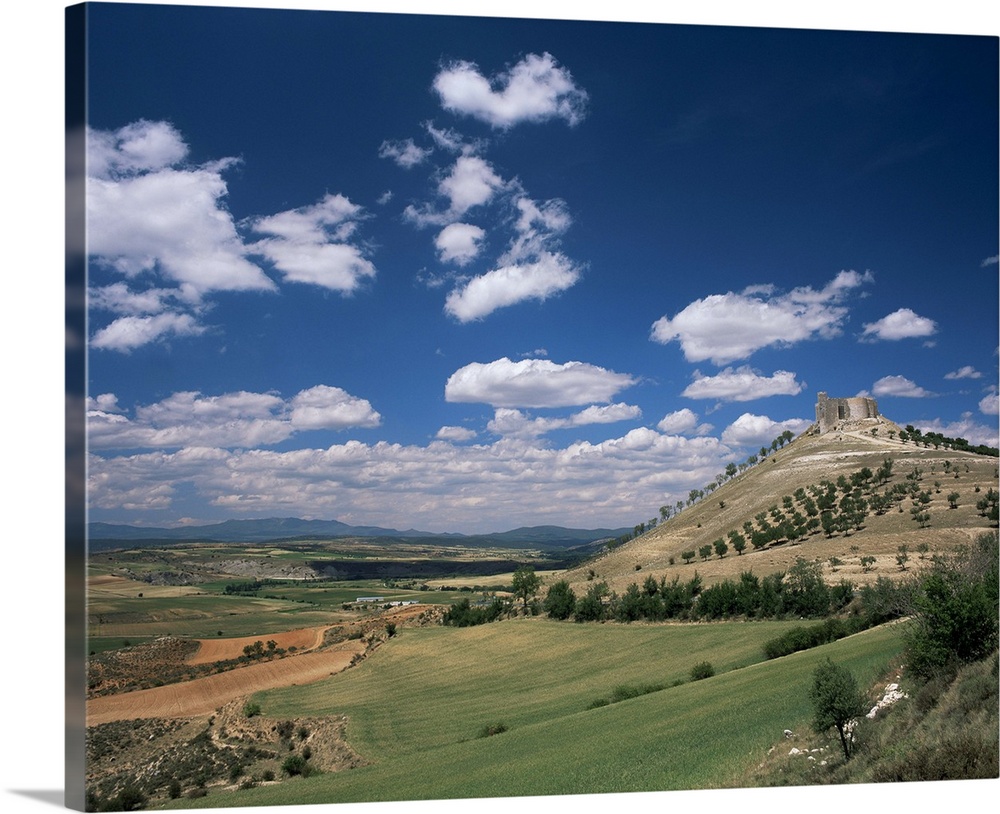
pixel 212 650
pixel 203 696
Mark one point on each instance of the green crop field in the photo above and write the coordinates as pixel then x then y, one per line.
pixel 199 616
pixel 417 705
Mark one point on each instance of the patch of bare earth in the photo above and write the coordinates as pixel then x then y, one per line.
pixel 203 695
pixel 212 650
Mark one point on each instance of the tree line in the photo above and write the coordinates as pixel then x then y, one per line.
pixel 800 591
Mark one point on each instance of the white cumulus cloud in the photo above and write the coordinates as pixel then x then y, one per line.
pixel 751 430
pixel 471 182
pixel 535 89
pixel 405 153
pixel 990 403
pixel 900 324
pixel 534 383
pixel 148 212
pixel 125 334
pixel 241 419
pixel 726 327
pixel 683 422
pixel 459 243
pixel 899 386
pixel 163 225
pixel 964 372
pixel 509 422
pixel 330 408
pixel 310 244
pixel 550 274
pixel 742 384
pixel 450 433
pixel 440 486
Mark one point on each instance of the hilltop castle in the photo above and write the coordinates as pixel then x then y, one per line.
pixel 831 411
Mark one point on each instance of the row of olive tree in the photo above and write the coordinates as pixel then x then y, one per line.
pixel 669 510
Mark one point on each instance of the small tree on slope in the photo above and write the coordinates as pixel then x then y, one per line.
pixel 836 702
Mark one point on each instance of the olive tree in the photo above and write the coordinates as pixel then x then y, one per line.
pixel 837 701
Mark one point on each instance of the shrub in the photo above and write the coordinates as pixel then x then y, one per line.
pixel 490 730
pixel 296 765
pixel 625 691
pixel 591 607
pixel 956 619
pixel 560 601
pixel 251 708
pixel 804 638
pixel 702 670
pixel 462 614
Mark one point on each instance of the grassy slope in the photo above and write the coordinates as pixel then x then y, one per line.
pixel 413 706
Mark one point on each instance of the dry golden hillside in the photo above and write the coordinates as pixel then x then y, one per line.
pixel 808 461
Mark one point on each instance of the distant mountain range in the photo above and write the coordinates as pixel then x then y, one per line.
pixel 108 535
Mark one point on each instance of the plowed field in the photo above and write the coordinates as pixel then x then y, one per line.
pixel 204 695
pixel 212 650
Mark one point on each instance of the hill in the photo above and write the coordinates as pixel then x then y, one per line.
pixel 103 536
pixel 776 491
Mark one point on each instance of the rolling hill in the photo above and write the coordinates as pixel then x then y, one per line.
pixel 107 535
pixel 778 482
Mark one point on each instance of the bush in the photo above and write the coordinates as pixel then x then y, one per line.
pixel 702 670
pixel 251 708
pixel 957 608
pixel 462 614
pixel 296 765
pixel 560 601
pixel 490 730
pixel 806 637
pixel 591 607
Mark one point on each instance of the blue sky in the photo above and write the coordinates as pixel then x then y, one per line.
pixel 465 274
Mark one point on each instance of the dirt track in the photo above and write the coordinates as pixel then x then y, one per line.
pixel 203 696
pixel 212 650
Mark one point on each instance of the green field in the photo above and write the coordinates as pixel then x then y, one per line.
pixel 417 705
pixel 135 610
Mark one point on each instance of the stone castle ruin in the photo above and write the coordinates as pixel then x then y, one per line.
pixel 832 412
